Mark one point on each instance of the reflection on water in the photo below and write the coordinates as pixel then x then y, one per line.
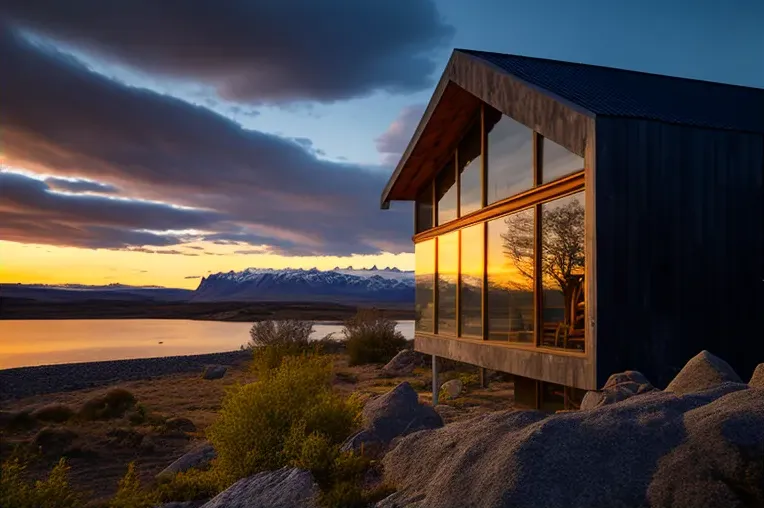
pixel 42 342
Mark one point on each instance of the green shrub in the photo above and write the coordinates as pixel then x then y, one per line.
pixel 272 341
pixel 194 484
pixel 257 420
pixel 371 338
pixel 138 415
pixel 130 493
pixel 112 404
pixel 53 492
pixel 57 413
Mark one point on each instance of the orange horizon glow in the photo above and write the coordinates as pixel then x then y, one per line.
pixel 45 264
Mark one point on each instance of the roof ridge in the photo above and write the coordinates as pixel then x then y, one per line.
pixel 478 53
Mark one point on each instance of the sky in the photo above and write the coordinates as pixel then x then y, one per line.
pixel 154 143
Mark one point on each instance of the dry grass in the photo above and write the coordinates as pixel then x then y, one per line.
pixel 100 454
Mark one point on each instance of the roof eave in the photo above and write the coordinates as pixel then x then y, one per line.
pixel 434 101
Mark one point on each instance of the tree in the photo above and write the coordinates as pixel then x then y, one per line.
pixel 562 243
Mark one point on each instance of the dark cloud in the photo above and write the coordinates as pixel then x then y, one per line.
pixel 393 142
pixel 192 277
pixel 79 185
pixel 154 251
pixel 256 188
pixel 256 51
pixel 30 212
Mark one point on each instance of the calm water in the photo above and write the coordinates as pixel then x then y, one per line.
pixel 43 342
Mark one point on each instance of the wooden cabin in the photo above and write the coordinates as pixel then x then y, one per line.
pixel 572 221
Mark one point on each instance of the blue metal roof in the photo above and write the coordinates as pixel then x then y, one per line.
pixel 617 92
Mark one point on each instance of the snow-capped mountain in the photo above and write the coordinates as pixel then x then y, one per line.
pixel 338 285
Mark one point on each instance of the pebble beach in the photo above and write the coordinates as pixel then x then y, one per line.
pixel 21 382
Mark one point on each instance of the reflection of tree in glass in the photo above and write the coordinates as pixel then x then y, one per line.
pixel 562 242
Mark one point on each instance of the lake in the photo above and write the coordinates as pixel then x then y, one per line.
pixel 43 342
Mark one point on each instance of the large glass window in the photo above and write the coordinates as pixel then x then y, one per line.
pixel 448 266
pixel 558 161
pixel 510 157
pixel 424 209
pixel 470 166
pixel 445 186
pixel 562 272
pixel 471 299
pixel 510 273
pixel 424 254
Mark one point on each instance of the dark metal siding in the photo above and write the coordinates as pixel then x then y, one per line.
pixel 680 247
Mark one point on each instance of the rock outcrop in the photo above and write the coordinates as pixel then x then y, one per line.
pixel 703 371
pixel 757 379
pixel 700 445
pixel 618 387
pixel 403 364
pixel 198 457
pixel 396 413
pixel 284 488
pixel 214 372
pixel 452 389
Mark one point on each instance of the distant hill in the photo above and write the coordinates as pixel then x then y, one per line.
pixel 340 285
pixel 349 285
pixel 81 292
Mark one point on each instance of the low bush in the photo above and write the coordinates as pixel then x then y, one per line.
pixel 289 403
pixel 17 420
pixel 372 338
pixel 193 485
pixel 53 492
pixel 112 404
pixel 57 413
pixel 272 341
pixel 130 493
pixel 280 333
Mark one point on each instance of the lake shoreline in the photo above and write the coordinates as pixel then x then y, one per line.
pixel 27 309
pixel 20 382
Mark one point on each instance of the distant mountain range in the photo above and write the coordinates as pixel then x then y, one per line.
pixel 337 285
pixel 340 285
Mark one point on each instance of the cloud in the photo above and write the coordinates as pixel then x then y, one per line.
pixel 79 185
pixel 31 212
pixel 393 142
pixel 273 52
pixel 192 277
pixel 241 185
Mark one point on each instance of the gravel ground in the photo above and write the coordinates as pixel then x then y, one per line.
pixel 25 381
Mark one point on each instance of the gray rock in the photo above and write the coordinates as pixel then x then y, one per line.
pixel 659 449
pixel 618 387
pixel 446 412
pixel 182 504
pixel 452 389
pixel 180 424
pixel 285 488
pixel 198 457
pixel 395 413
pixel 757 379
pixel 214 371
pixel 702 372
pixel 403 364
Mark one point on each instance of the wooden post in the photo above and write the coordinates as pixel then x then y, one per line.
pixel 435 386
pixel 483 380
